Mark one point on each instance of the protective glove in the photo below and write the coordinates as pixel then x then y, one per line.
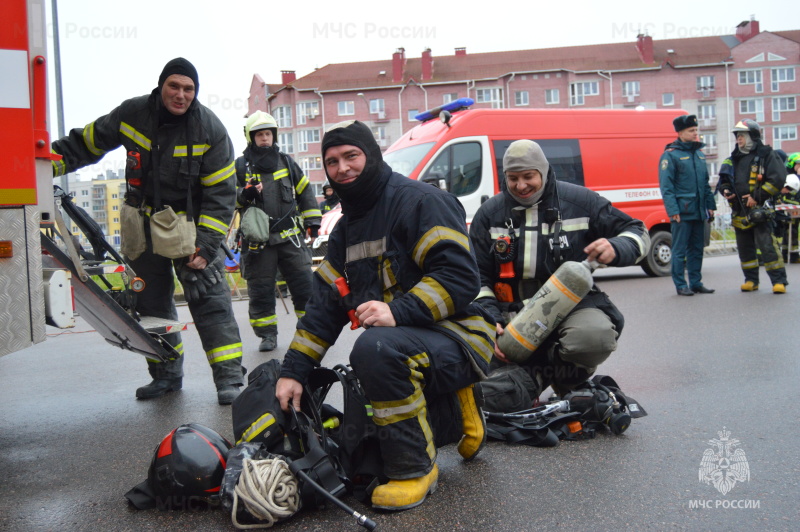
pixel 210 275
pixel 313 231
pixel 251 193
pixel 193 287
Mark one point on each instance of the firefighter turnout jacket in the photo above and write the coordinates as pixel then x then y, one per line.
pixel 411 251
pixel 583 216
pixel 191 156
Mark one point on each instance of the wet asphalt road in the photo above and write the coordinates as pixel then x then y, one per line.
pixel 73 439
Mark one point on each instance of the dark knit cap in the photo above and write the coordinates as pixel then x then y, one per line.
pixel 684 122
pixel 181 66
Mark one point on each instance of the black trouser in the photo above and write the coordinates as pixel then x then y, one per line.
pixel 212 315
pixel 749 242
pixel 260 268
pixel 404 371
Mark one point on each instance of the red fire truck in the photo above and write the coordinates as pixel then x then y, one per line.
pixel 43 272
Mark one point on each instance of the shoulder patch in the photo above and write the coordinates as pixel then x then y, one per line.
pixel 664 163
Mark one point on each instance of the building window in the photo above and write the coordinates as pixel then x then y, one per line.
pixel 710 140
pixel 781 75
pixel 116 220
pixel 380 136
pixel 492 96
pixel 85 205
pixel 450 97
pixel 411 114
pixel 521 98
pixel 707 115
pixel 752 106
pixel 630 89
pixel 84 192
pixel 784 104
pixel 705 84
pixel 712 169
pixel 306 137
pixel 115 207
pixel 751 77
pixel 285 141
pixel 311 163
pixel 347 108
pixel 114 196
pixel 307 111
pixel 782 133
pixel 378 107
pixel 577 91
pixel 668 98
pixel 283 116
pixel 551 96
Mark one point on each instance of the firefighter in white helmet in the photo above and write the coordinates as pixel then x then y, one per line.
pixel 270 180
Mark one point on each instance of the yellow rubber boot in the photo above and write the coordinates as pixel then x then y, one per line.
pixel 405 494
pixel 778 288
pixel 749 286
pixel 474 426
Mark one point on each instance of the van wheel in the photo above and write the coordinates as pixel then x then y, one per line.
pixel 657 263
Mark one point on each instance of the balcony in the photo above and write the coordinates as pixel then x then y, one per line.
pixel 706 123
pixel 711 152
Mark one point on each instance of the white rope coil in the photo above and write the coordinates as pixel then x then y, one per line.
pixel 268 491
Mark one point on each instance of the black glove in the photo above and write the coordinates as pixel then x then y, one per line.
pixel 313 231
pixel 210 275
pixel 251 193
pixel 193 287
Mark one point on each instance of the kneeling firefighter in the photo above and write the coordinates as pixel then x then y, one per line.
pixel 520 237
pixel 271 181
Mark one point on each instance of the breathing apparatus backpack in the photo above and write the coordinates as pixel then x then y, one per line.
pixel 597 404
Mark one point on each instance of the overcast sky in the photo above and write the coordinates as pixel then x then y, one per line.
pixel 112 51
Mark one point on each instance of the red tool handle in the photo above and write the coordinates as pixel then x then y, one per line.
pixel 344 290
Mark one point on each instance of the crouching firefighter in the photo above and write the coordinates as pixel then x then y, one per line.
pixel 520 238
pixel 425 343
pixel 271 181
pixel 180 199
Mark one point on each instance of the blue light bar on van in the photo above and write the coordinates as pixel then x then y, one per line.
pixel 455 105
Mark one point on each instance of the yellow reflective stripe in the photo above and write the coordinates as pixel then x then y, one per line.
pixel 640 242
pixel 178 348
pixel 257 427
pixel 218 176
pixel 422 359
pixel 575 224
pixel 88 139
pixel 435 297
pixel 289 232
pixel 327 272
pixel 364 250
pixel 749 265
pixel 263 322
pixel 197 149
pixel 135 136
pixel 309 344
pixel 486 292
pixel 299 313
pixel 226 352
pixel 310 213
pixel 280 174
pixel 774 265
pixel 480 338
pixel 301 185
pixel 769 189
pixel 212 223
pixel 59 167
pixel 432 237
pixel 386 412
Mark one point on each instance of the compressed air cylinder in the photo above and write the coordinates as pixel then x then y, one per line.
pixel 545 310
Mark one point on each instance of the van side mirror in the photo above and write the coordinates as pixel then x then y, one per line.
pixel 438 180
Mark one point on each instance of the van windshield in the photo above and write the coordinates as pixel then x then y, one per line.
pixel 405 160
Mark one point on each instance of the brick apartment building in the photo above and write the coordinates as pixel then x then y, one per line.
pixel 722 79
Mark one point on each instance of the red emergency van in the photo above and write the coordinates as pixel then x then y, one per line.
pixel 614 152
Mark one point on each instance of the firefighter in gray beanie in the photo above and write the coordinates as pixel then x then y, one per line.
pixel 542 223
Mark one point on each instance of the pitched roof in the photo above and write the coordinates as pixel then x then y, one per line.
pixel 687 52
